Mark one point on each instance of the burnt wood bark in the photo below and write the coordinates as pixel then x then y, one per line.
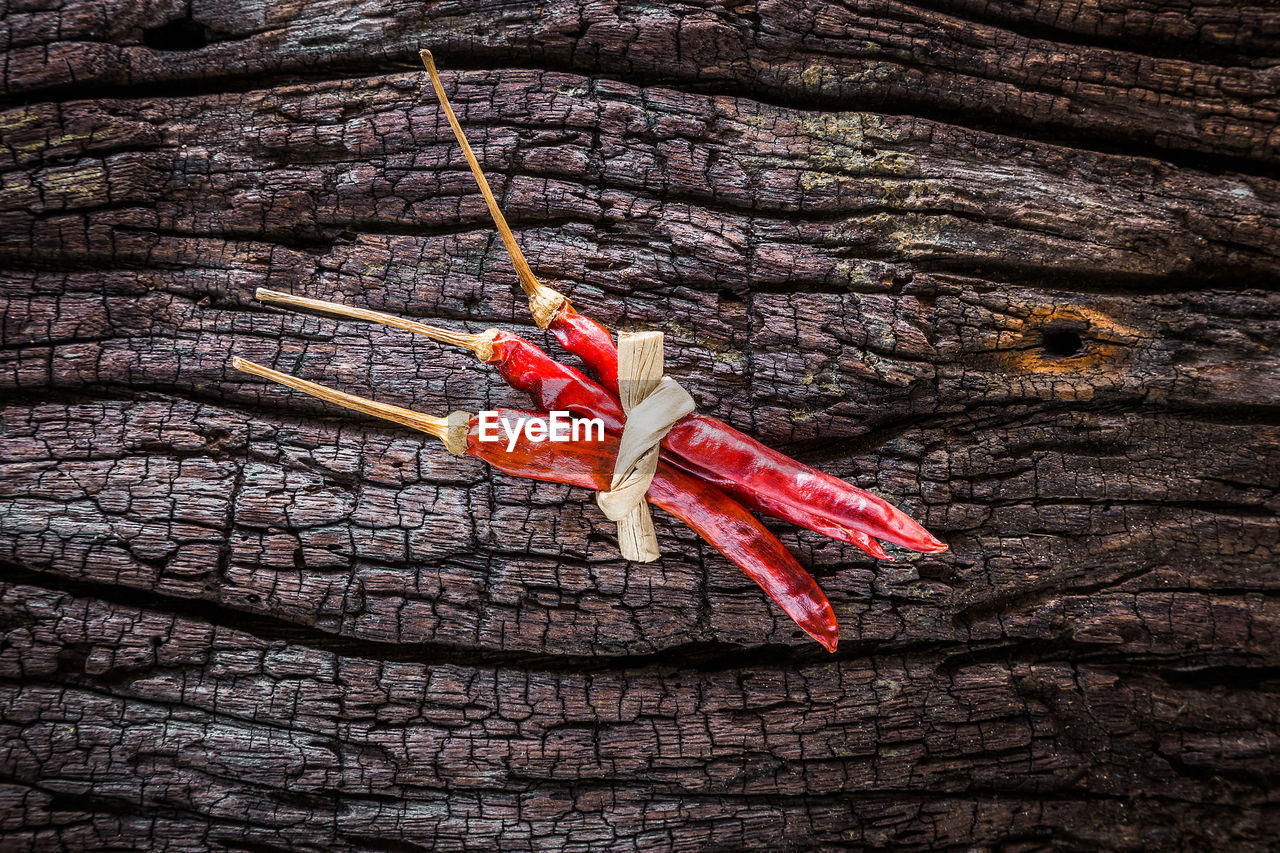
pixel 1013 266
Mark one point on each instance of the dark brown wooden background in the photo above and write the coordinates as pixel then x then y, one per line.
pixel 1012 265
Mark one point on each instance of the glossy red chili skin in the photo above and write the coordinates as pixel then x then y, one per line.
pixel 783 483
pixel 551 385
pixel 714 516
pixel 758 502
pixel 589 341
pixel 793 483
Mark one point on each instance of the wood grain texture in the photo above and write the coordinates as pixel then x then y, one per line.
pixel 1012 266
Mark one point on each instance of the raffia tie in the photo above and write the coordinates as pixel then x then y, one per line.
pixel 653 403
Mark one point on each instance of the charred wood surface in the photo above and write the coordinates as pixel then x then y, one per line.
pixel 1012 266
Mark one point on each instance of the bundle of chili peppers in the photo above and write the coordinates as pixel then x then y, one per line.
pixel 709 473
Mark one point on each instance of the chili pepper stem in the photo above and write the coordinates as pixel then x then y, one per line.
pixel 445 429
pixel 543 301
pixel 481 344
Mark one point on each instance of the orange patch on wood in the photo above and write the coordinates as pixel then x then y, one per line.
pixel 1071 340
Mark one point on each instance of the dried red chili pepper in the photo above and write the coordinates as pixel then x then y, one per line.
pixel 718 519
pixel 781 480
pixel 766 505
pixel 557 387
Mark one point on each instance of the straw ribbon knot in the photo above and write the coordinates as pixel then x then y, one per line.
pixel 653 403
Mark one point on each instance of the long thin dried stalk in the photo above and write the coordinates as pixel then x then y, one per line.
pixel 481 344
pixel 444 429
pixel 543 300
